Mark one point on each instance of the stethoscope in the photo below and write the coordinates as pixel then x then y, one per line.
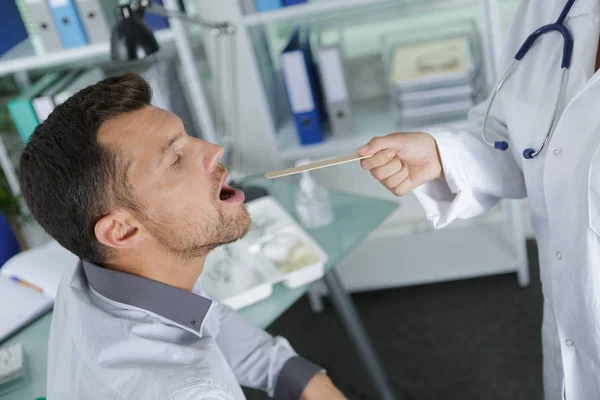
pixel 566 63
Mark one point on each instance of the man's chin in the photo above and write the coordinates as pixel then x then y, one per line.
pixel 236 229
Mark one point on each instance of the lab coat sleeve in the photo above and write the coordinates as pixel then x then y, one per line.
pixel 259 360
pixel 477 175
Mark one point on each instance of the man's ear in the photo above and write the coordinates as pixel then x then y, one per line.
pixel 119 230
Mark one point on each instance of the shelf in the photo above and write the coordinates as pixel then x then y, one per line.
pixel 370 119
pixel 441 255
pixel 22 57
pixel 325 7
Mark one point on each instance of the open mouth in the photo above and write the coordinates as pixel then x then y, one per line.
pixel 230 195
pixel 226 192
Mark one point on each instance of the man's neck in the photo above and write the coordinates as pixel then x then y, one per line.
pixel 170 270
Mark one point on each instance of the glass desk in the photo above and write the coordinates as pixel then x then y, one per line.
pixel 355 218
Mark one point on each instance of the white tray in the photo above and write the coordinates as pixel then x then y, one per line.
pixel 280 232
pixel 249 279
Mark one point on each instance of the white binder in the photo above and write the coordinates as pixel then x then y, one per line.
pixel 43 105
pixel 335 88
pixel 95 21
pixel 82 81
pixel 41 18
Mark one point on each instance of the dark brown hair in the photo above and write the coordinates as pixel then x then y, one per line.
pixel 68 179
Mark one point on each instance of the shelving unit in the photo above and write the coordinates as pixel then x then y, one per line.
pixel 370 119
pixel 324 7
pixel 267 144
pixel 22 57
pixel 433 257
pixel 416 255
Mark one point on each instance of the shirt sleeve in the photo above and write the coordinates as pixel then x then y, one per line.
pixel 259 360
pixel 202 392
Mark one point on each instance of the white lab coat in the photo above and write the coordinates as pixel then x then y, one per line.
pixel 562 183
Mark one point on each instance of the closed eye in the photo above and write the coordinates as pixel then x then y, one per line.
pixel 176 162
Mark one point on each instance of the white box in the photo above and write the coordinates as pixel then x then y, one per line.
pixel 276 249
pixel 281 228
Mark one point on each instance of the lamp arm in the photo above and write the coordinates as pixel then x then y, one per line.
pixel 218 28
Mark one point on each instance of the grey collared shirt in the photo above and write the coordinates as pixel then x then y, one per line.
pixel 121 336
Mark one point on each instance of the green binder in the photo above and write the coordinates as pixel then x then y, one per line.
pixel 21 110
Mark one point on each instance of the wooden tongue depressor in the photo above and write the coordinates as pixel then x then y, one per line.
pixel 315 165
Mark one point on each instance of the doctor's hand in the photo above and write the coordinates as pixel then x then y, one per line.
pixel 402 161
pixel 320 387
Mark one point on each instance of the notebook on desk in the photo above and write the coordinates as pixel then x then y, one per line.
pixel 29 283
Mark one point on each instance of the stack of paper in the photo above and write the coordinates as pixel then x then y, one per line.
pixel 28 284
pixel 432 80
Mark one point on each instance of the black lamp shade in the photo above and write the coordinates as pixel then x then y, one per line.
pixel 131 38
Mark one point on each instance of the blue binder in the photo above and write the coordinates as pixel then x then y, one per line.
pixel 293 2
pixel 267 5
pixel 156 22
pixel 303 89
pixel 13 29
pixel 68 23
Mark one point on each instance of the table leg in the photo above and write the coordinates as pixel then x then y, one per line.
pixel 351 320
pixel 314 298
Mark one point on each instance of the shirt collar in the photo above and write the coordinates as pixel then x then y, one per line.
pixel 179 306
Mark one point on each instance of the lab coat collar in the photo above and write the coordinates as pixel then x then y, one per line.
pixel 183 308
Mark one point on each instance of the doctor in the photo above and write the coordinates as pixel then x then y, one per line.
pixel 459 173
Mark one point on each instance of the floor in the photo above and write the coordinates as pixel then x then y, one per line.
pixel 470 339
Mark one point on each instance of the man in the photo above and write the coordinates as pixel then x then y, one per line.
pixel 119 183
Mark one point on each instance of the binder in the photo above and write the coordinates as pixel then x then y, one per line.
pixel 41 18
pixel 247 6
pixel 43 105
pixel 293 2
pixel 268 5
pixel 34 37
pixel 94 19
pixel 21 110
pixel 68 23
pixel 335 89
pixel 302 88
pixel 81 81
pixel 13 28
pixel 156 22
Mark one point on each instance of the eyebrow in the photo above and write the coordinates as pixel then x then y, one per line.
pixel 165 147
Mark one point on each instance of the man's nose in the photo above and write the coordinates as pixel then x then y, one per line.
pixel 211 156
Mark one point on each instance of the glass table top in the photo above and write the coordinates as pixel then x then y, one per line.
pixel 355 217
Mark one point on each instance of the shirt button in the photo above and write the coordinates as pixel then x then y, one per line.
pixel 569 342
pixel 559 255
pixel 558 152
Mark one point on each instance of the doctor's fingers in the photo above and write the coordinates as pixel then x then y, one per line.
pixel 393 181
pixel 406 186
pixel 378 159
pixel 378 143
pixel 385 171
